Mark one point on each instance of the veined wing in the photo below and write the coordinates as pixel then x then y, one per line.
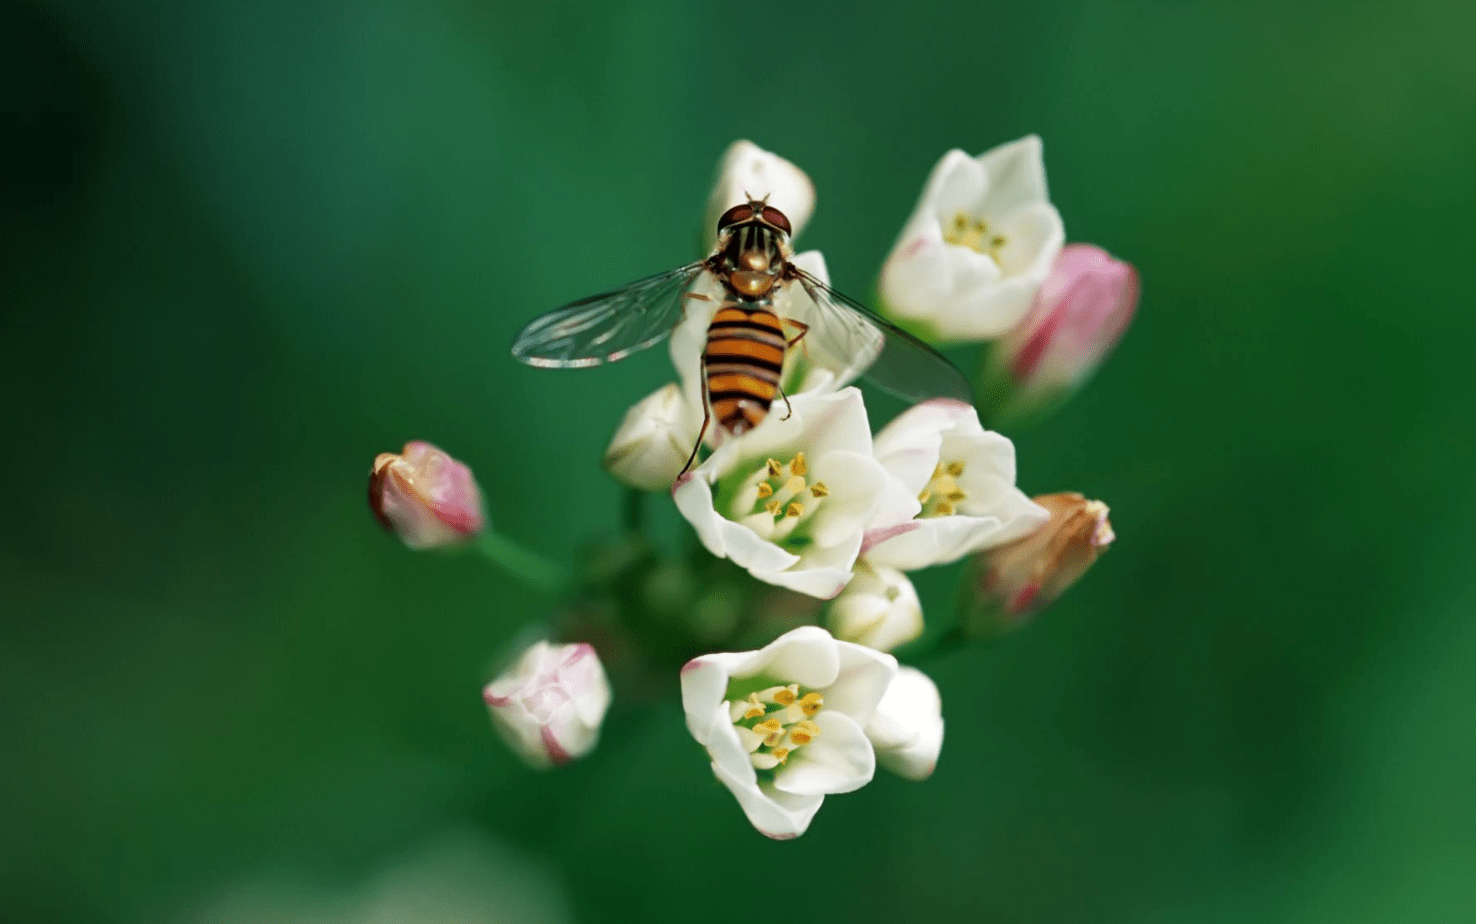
pixel 847 337
pixel 608 326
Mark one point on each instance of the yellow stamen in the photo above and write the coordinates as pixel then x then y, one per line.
pixel 955 468
pixel 780 754
pixel 819 489
pixel 784 696
pixel 804 732
pixel 774 468
pixel 765 490
pixel 811 703
pixel 772 507
pixel 943 509
pixel 797 465
pixel 794 509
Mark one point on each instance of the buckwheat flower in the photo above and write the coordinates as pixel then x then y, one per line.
pixel 981 241
pixel 907 730
pixel 791 499
pixel 960 479
pixel 1078 316
pixel 654 440
pixel 549 705
pixel 425 497
pixel 879 608
pixel 1015 580
pixel 747 171
pixel 785 725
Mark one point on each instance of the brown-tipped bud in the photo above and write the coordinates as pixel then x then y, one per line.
pixel 425 497
pixel 1013 581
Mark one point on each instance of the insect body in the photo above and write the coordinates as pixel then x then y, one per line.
pixel 759 290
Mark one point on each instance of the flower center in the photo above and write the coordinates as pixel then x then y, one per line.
pixel 974 234
pixel 942 493
pixel 778 497
pixel 775 722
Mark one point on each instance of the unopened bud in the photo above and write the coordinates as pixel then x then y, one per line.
pixel 549 705
pixel 1015 580
pixel 654 440
pixel 746 172
pixel 1077 318
pixel 425 497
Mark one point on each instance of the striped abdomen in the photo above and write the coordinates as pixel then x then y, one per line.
pixel 744 356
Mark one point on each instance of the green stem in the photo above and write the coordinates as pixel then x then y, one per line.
pixel 527 566
pixel 634 509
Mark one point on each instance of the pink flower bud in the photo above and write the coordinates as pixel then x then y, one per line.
pixel 1077 318
pixel 425 497
pixel 1015 580
pixel 548 706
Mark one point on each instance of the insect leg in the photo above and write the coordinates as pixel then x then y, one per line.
pixel 787 409
pixel 803 329
pixel 706 418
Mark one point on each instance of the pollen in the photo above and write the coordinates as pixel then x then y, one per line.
pixel 941 495
pixel 765 490
pixel 794 509
pixel 775 468
pixel 818 489
pixel 774 737
pixel 797 465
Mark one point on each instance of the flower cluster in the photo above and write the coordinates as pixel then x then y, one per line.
pixel 812 515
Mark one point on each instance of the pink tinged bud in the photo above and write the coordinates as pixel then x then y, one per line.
pixel 425 497
pixel 549 706
pixel 1020 578
pixel 1078 316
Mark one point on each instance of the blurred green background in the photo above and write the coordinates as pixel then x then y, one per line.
pixel 246 247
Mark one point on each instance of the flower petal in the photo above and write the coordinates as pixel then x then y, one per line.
pixel 840 759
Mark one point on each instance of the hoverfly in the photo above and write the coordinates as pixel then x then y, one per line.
pixel 759 290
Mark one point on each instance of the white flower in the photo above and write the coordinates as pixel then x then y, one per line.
pixel 784 725
pixel 791 499
pixel 879 609
pixel 961 481
pixel 977 247
pixel 549 705
pixel 654 440
pixel 907 730
pixel 746 172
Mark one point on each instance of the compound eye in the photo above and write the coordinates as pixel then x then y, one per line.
pixel 734 215
pixel 776 218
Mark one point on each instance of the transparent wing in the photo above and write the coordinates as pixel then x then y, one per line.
pixel 852 340
pixel 608 326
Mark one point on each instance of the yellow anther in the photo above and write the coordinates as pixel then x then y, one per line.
pixel 794 509
pixel 755 709
pixel 797 465
pixel 997 242
pixel 780 754
pixel 774 468
pixel 784 696
pixel 765 490
pixel 773 507
pixel 955 469
pixel 804 732
pixel 957 495
pixel 819 489
pixel 943 509
pixel 811 703
pixel 795 485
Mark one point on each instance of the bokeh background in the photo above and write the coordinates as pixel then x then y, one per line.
pixel 248 246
